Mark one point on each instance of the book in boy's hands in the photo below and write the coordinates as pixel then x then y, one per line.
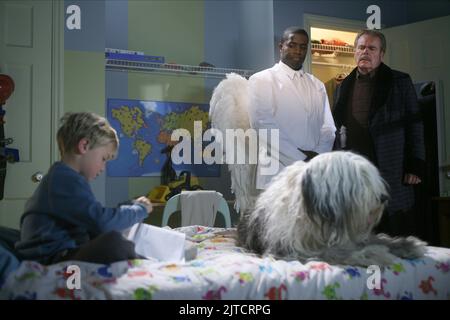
pixel 153 242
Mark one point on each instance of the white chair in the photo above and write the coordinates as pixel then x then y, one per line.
pixel 174 204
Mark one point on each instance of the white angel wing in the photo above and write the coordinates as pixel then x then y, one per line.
pixel 229 110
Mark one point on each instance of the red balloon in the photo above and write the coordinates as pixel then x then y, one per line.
pixel 6 87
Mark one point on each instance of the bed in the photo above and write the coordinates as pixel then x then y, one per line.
pixel 224 271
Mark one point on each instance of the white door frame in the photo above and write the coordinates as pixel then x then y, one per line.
pixel 324 22
pixel 57 95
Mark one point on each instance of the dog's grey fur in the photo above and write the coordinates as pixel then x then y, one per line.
pixel 325 210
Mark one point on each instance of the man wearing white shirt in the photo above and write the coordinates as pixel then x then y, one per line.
pixel 295 103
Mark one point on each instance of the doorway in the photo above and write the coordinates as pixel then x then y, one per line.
pixel 331 57
pixel 32 51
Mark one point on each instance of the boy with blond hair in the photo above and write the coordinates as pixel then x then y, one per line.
pixel 63 220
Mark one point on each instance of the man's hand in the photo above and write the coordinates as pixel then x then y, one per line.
pixel 411 179
pixel 144 201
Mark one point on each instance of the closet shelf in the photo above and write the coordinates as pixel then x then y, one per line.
pixel 328 48
pixel 168 68
pixel 339 65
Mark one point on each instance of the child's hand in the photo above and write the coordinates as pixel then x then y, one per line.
pixel 144 201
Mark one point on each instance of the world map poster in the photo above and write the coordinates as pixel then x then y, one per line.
pixel 144 129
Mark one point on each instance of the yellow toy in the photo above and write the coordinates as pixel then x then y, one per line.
pixel 170 183
pixel 184 181
pixel 158 194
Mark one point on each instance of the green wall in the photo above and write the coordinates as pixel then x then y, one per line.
pixel 84 81
pixel 173 29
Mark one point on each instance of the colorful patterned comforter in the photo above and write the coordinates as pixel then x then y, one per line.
pixel 224 271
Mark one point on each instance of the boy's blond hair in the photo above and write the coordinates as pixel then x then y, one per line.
pixel 88 125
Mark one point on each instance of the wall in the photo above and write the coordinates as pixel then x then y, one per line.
pixel 84 76
pixel 419 10
pixel 239 34
pixel 221 34
pixel 256 31
pixel 116 84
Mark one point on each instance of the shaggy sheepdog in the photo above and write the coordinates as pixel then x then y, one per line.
pixel 325 210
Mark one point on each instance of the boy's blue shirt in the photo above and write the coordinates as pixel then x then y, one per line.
pixel 64 214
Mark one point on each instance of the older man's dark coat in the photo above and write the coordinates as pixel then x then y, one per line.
pixel 396 129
